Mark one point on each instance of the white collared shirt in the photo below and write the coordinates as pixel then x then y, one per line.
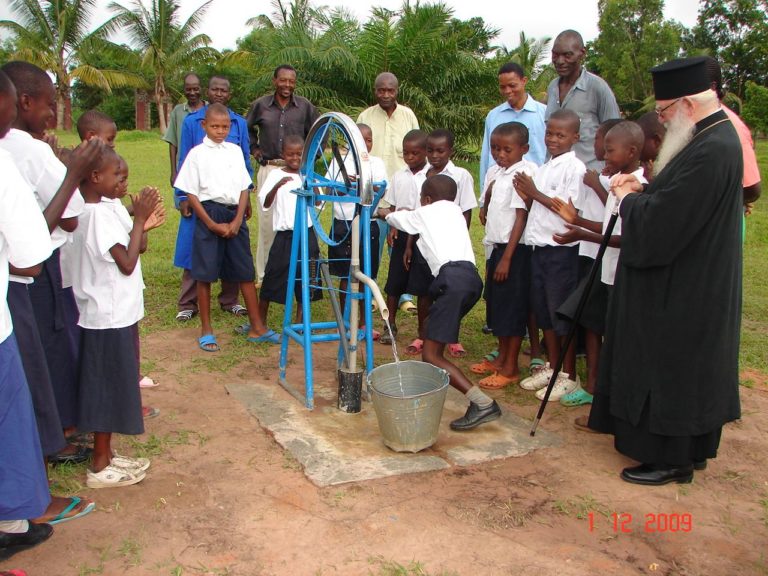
pixel 490 176
pixel 502 209
pixel 24 237
pixel 561 177
pixel 442 230
pixel 611 256
pixel 106 298
pixel 214 172
pixel 404 192
pixel 465 187
pixel 346 210
pixel 284 204
pixel 593 210
pixel 43 173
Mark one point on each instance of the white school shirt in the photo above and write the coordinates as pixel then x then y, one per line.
pixel 611 256
pixel 442 230
pixel 24 237
pixel 593 209
pixel 501 213
pixel 43 173
pixel 284 204
pixel 490 175
pixel 214 172
pixel 465 187
pixel 563 177
pixel 106 298
pixel 346 210
pixel 404 192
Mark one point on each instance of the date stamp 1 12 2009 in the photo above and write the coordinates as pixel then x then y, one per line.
pixel 625 523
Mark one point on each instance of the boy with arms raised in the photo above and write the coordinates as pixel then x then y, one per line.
pixel 554 267
pixel 215 180
pixel 444 241
pixel 507 285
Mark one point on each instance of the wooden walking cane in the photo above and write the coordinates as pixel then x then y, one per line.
pixel 577 316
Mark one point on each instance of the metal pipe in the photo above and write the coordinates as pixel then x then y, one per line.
pixel 336 311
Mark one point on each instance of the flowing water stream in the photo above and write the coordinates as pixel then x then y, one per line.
pixel 394 353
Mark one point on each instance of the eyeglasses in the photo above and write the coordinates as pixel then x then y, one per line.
pixel 660 111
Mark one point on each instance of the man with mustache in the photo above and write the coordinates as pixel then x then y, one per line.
pixel 583 92
pixel 678 290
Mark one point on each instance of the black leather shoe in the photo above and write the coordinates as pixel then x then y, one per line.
pixel 651 475
pixel 700 464
pixel 476 416
pixel 10 544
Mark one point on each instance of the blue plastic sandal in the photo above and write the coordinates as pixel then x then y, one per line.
pixel 270 336
pixel 208 343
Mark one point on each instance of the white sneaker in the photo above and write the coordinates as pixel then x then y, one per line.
pixel 130 464
pixel 563 385
pixel 113 477
pixel 538 379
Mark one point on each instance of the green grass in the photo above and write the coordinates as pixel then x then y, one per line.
pixel 147 157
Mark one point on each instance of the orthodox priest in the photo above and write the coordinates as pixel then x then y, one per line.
pixel 669 371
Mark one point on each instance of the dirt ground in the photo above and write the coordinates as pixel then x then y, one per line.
pixel 222 498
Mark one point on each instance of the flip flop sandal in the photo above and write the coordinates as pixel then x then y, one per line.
pixel 456 350
pixel 491 356
pixel 208 343
pixel 415 347
pixel 75 501
pixel 578 397
pixel 408 306
pixel 536 363
pixel 185 315
pixel 242 329
pixel 496 382
pixel 236 309
pixel 269 336
pixel 483 367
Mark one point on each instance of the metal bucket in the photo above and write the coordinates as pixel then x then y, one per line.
pixel 410 422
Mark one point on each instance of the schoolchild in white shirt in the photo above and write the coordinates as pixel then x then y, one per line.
pixel 54 186
pixel 216 183
pixel 109 291
pixel 445 243
pixel 439 151
pixel 554 267
pixel 623 147
pixel 507 278
pixel 276 193
pixel 403 193
pixel 24 242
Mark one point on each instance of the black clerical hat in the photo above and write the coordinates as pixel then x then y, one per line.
pixel 680 77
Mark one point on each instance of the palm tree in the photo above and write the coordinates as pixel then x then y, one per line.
pixel 54 35
pixel 167 46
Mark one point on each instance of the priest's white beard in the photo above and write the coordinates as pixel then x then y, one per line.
pixel 680 129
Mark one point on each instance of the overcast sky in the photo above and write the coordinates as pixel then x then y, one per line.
pixel 225 21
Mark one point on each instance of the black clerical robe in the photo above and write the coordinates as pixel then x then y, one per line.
pixel 672 335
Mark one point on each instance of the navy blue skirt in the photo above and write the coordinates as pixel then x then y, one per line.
pixel 109 382
pixel 53 306
pixel 23 484
pixel 49 427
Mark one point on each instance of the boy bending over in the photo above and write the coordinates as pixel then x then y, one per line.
pixel 445 244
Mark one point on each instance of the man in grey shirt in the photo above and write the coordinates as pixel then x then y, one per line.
pixel 583 92
pixel 270 120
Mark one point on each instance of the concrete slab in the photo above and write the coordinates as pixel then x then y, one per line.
pixel 334 447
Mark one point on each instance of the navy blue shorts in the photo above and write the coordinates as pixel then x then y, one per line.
pixel 339 256
pixel 214 257
pixel 554 276
pixel 397 278
pixel 506 306
pixel 275 283
pixel 456 289
pixel 419 276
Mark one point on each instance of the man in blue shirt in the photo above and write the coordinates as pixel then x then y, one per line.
pixel 192 133
pixel 519 107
